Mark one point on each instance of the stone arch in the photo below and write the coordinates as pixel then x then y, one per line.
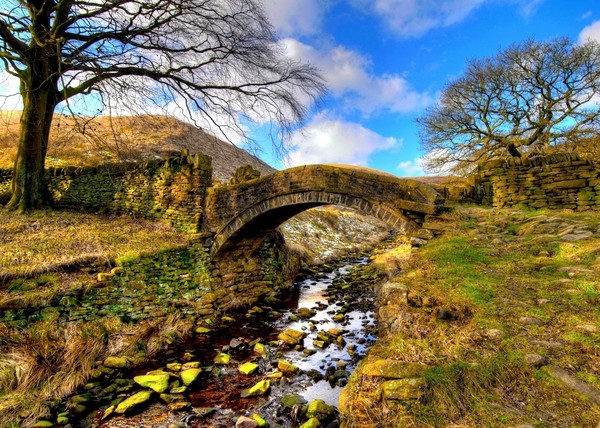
pixel 248 228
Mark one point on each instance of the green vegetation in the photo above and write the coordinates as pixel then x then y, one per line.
pixel 515 284
pixel 45 361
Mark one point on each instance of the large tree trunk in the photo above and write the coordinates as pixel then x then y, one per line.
pixel 29 187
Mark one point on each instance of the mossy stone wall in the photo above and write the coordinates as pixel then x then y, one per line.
pixel 171 190
pixel 153 286
pixel 556 181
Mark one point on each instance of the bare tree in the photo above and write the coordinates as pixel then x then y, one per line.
pixel 216 58
pixel 527 98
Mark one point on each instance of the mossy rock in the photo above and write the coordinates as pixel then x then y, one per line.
pixel 403 389
pixel 287 368
pixel 115 362
pixel 259 420
pixel 291 400
pixel 393 369
pixel 158 382
pixel 43 423
pixel 320 410
pixel 222 358
pixel 260 349
pixel 261 388
pixel 291 336
pixel 248 368
pixel 311 423
pixel 134 401
pixel 188 376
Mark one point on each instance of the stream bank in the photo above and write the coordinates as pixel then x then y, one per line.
pixel 495 323
pixel 299 351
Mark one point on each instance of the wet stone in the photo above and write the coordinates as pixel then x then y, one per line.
pixel 246 422
pixel 261 388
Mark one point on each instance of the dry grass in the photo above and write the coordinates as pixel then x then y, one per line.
pixel 48 240
pixel 496 268
pixel 47 362
pixel 89 141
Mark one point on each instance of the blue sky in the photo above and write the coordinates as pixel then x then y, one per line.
pixel 386 60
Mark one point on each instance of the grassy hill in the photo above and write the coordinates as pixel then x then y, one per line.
pixel 97 140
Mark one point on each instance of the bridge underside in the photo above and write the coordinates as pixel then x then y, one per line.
pixel 246 231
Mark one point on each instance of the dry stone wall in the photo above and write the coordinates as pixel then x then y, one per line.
pixel 556 181
pixel 171 190
pixel 180 280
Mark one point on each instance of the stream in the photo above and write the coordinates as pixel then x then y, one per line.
pixel 331 306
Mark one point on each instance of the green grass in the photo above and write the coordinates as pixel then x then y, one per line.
pixel 493 270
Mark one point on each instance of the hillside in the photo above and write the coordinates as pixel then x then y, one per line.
pixel 92 141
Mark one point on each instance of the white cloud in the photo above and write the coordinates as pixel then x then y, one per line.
pixel 591 32
pixel 348 77
pixel 295 17
pixel 528 8
pixel 414 18
pixel 327 140
pixel 411 168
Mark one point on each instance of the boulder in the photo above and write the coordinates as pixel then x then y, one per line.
pixel 403 389
pixel 287 368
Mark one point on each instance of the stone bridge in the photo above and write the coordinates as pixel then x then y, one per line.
pixel 241 215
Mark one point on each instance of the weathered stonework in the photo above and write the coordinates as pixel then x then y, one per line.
pixel 557 181
pixel 240 214
pixel 182 280
pixel 171 190
pixel 238 258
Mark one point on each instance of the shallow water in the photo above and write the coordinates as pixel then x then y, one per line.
pixel 217 392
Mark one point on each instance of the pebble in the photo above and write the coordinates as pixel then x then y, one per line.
pixel 535 360
pixel 493 333
pixel 246 422
pixel 531 321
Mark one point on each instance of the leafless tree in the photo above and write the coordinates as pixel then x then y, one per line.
pixel 216 58
pixel 527 98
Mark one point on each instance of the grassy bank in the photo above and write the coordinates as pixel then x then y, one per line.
pixel 45 241
pixel 504 311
